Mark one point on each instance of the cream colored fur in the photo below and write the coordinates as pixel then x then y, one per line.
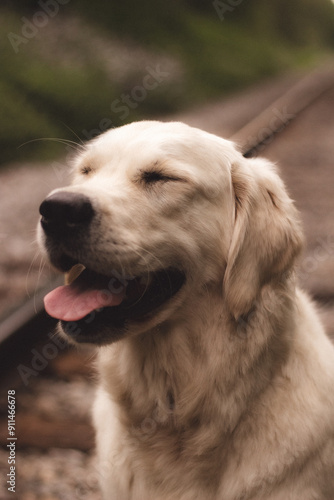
pixel 227 393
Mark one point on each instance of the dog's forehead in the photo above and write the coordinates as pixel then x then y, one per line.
pixel 143 138
pixel 141 144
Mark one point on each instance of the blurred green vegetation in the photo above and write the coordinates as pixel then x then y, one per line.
pixel 219 47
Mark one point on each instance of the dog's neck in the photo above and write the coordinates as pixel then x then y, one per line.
pixel 175 375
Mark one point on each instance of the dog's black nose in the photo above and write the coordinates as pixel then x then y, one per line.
pixel 65 210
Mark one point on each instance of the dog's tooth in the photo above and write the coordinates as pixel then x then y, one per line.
pixel 74 273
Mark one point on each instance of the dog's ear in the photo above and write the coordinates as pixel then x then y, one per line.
pixel 266 237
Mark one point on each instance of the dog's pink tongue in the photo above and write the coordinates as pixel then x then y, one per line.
pixel 74 302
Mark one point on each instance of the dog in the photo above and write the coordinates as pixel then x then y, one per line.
pixel 216 376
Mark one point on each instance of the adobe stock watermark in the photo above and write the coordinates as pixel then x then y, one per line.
pixel 310 264
pixel 40 19
pixel 272 303
pixel 322 252
pixel 280 119
pixel 123 105
pixel 41 358
pixel 141 433
pixel 222 8
pixel 153 78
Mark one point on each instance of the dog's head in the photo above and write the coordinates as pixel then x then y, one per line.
pixel 156 212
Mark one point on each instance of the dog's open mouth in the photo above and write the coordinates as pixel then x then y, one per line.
pixel 105 305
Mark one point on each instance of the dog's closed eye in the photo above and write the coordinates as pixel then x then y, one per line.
pixel 86 169
pixel 155 176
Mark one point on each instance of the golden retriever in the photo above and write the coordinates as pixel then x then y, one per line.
pixel 216 377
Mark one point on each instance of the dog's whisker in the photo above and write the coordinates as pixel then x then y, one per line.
pixel 66 142
pixel 32 263
pixel 81 142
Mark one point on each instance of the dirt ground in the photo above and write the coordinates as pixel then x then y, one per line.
pixel 304 152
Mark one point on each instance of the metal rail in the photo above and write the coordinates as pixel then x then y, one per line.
pixel 284 110
pixel 25 312
pixel 24 327
pixel 28 323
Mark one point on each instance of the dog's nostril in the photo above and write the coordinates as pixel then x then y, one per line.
pixel 65 209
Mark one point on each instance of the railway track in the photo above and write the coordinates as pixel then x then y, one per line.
pixel 53 382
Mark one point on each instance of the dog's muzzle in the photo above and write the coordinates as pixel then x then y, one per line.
pixel 96 308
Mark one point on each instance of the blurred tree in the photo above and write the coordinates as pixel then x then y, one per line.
pixel 299 21
pixel 219 46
